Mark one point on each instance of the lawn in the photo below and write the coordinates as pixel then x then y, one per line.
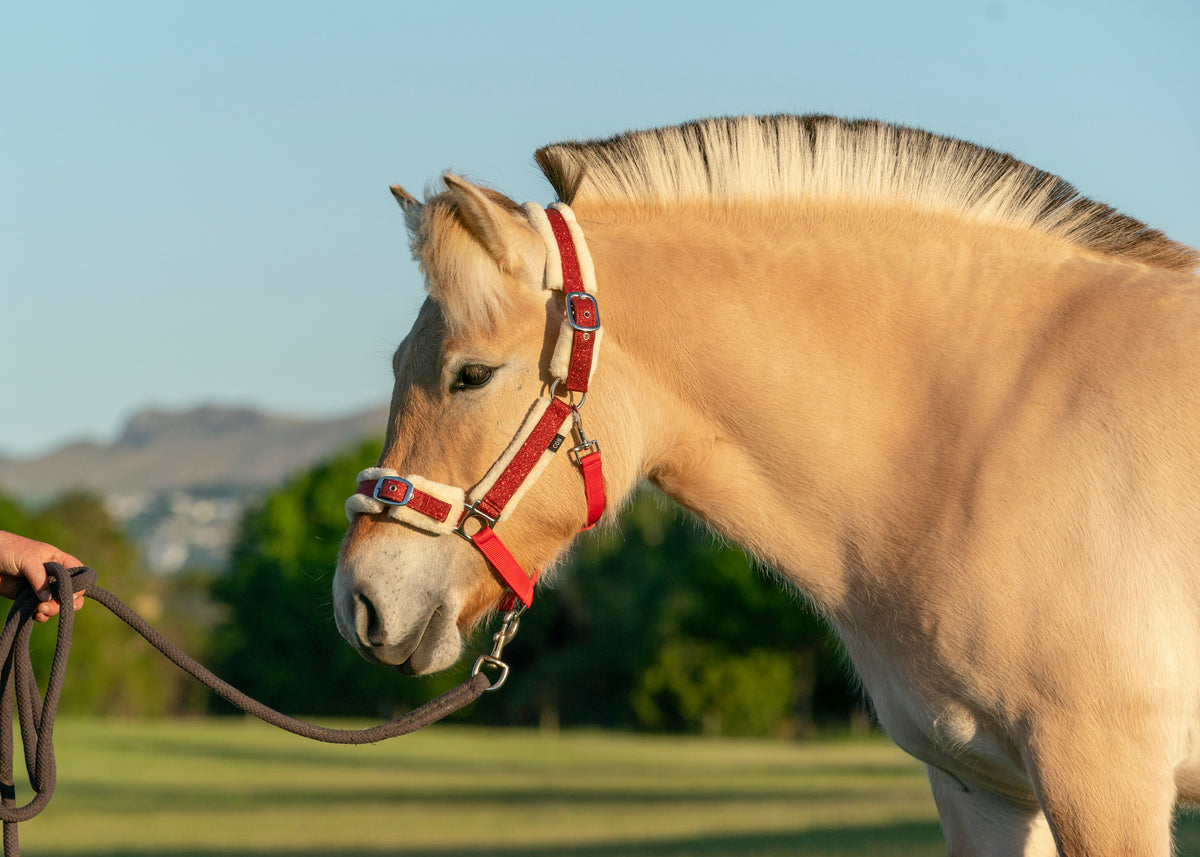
pixel 234 787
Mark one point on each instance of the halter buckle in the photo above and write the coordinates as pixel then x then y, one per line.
pixel 585 317
pixel 388 487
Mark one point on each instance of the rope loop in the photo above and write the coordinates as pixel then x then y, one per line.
pixel 36 714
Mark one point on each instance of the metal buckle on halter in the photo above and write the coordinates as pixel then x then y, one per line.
pixel 587 318
pixel 386 488
pixel 470 512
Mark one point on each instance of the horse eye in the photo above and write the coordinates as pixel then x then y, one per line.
pixel 471 376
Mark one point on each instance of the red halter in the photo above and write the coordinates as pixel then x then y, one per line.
pixel 550 417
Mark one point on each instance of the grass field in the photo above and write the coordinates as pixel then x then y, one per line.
pixel 232 787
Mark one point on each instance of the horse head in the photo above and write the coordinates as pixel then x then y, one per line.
pixel 407 590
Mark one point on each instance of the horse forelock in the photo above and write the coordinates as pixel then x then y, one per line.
pixel 460 276
pixel 808 158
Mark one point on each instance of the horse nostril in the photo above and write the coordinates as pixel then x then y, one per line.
pixel 366 620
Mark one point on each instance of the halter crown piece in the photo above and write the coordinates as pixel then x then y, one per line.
pixel 444 509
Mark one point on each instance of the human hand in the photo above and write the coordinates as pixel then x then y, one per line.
pixel 25 558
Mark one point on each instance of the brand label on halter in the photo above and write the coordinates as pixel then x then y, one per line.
pixel 556 443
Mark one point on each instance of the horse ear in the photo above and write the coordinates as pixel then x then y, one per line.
pixel 413 210
pixel 494 221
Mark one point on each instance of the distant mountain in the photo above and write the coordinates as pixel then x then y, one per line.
pixel 210 446
pixel 179 480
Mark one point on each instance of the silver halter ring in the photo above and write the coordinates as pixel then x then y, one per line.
pixel 574 406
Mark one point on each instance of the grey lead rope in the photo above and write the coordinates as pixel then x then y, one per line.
pixel 37 714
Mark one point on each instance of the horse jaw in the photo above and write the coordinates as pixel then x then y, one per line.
pixel 403 600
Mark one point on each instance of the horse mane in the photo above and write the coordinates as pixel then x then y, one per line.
pixel 803 158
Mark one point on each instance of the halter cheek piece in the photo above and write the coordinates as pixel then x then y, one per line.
pixel 444 509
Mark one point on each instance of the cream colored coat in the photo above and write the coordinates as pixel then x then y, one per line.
pixel 956 404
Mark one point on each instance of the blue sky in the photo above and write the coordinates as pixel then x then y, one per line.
pixel 193 196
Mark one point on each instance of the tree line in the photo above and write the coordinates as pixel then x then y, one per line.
pixel 656 625
pixel 111 670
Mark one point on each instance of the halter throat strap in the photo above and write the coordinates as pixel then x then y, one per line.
pixel 443 509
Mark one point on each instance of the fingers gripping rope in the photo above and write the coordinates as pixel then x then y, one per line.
pixel 37 715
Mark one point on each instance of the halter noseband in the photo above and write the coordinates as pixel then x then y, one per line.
pixel 443 509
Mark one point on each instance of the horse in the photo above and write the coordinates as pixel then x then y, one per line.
pixel 950 399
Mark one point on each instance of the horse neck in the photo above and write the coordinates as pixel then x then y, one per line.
pixel 800 379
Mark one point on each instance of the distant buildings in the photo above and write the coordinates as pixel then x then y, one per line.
pixel 179 529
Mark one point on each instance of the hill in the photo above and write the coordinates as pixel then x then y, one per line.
pixel 178 480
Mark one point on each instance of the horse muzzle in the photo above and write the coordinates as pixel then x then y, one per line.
pixel 391 619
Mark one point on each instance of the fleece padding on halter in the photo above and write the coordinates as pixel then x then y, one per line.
pixel 524 460
pixel 430 506
pixel 570 270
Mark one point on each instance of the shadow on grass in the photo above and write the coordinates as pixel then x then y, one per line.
pixel 186 749
pixel 908 839
pixel 151 799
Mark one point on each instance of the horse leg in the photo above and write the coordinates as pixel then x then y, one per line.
pixel 979 823
pixel 1112 797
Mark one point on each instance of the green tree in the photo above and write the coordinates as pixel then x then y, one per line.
pixel 722 691
pixel 111 671
pixel 661 626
